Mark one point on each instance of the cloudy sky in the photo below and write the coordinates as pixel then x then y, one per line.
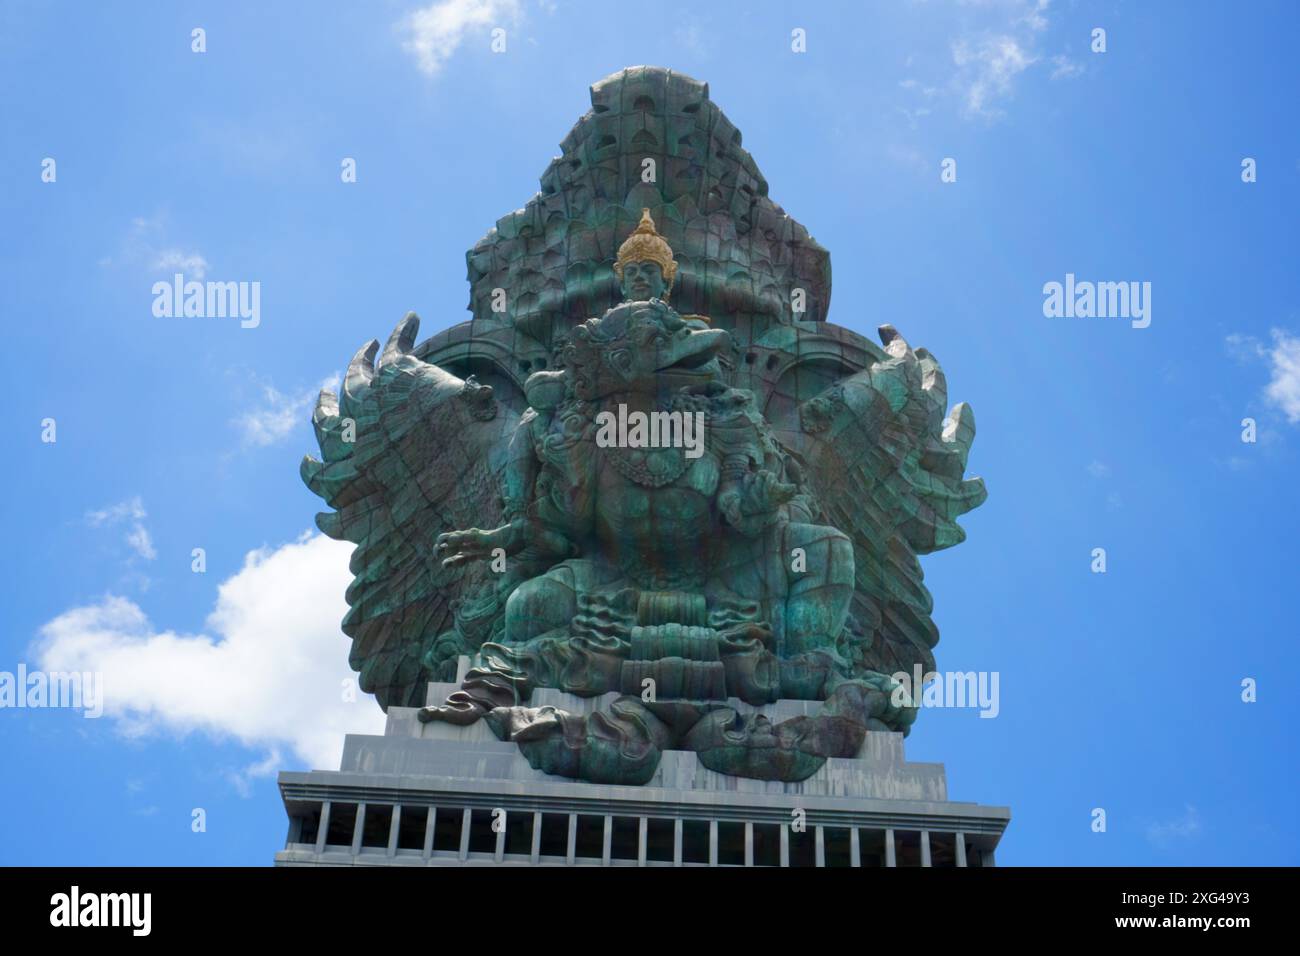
pixel 163 539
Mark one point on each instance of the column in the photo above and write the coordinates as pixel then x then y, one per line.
pixel 890 859
pixel 323 831
pixel 961 848
pixel 393 830
pixel 358 828
pixel 466 821
pixel 430 822
pixel 925 847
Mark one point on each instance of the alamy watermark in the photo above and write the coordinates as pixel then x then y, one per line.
pixel 66 689
pixel 1102 300
pixel 637 429
pixel 210 300
pixel 75 908
pixel 947 689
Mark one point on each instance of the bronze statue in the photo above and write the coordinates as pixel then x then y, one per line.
pixel 689 514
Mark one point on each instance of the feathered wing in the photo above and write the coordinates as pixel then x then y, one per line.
pixel 887 467
pixel 410 451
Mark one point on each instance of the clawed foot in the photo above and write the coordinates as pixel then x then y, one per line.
pixel 460 709
pixel 459 547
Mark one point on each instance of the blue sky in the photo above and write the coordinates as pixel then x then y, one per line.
pixel 1120 691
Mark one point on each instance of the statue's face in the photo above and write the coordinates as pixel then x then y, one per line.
pixel 643 280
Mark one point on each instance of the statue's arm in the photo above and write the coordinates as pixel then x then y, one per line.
pixel 518 476
pixel 523 528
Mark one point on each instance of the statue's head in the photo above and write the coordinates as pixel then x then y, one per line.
pixel 645 266
pixel 640 347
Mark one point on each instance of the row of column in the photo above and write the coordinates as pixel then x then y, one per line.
pixel 855 856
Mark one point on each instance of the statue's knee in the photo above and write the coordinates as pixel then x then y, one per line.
pixel 537 606
pixel 828 555
pixel 841 557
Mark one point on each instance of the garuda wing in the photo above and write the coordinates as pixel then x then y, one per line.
pixel 886 466
pixel 410 451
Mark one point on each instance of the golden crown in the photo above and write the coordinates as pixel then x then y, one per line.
pixel 646 245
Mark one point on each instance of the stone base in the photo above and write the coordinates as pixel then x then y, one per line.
pixel 437 794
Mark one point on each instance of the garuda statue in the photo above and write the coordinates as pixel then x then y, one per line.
pixel 647 471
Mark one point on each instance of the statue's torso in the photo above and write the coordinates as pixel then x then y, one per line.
pixel 630 504
pixel 651 507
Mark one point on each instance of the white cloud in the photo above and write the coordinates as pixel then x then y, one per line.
pixel 274 419
pixel 267 669
pixel 146 245
pixel 1284 388
pixel 1099 469
pixel 140 542
pixel 997 41
pixel 1243 348
pixel 986 71
pixel 133 509
pixel 1063 68
pixel 916 86
pixel 174 260
pixel 131 513
pixel 1183 828
pixel 913 116
pixel 1034 18
pixel 434 32
pixel 242 780
pixel 278 414
pixel 1283 357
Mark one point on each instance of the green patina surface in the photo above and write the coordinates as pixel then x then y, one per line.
pixel 495 517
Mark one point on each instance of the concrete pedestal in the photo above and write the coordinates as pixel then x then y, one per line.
pixel 436 794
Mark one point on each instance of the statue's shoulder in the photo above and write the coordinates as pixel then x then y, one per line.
pixel 545 390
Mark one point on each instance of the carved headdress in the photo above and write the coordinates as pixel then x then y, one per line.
pixel 646 245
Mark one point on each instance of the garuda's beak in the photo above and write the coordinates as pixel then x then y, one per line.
pixel 687 351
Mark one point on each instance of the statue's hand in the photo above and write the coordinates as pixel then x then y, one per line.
pixel 459 547
pixel 755 501
pixel 763 492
